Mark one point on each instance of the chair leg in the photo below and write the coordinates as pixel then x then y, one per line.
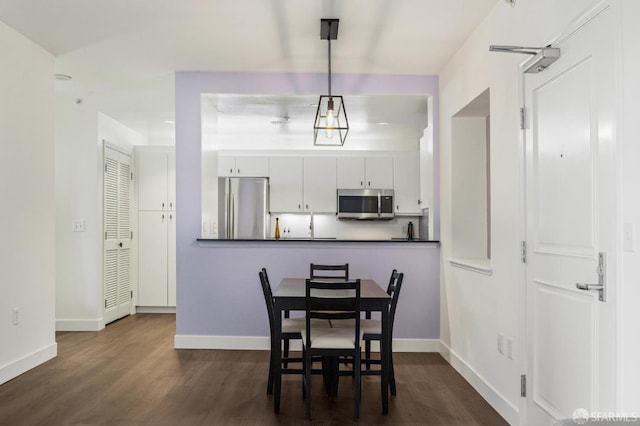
pixel 307 382
pixel 367 354
pixel 392 375
pixel 357 387
pixel 286 352
pixel 270 379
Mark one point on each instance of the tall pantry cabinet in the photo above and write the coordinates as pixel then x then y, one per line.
pixel 155 170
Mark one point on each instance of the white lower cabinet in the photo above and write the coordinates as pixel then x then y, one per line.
pixel 156 258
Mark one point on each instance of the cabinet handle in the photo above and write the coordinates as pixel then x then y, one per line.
pixel 361 183
pixel 230 171
pixel 163 204
pixel 299 207
pixel 369 183
pixel 419 202
pixel 307 206
pixel 171 205
pixel 162 218
pixel 238 171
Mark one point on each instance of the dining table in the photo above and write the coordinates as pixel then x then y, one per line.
pixel 290 296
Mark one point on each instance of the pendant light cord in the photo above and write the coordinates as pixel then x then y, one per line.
pixel 329 41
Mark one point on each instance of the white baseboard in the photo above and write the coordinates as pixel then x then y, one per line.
pixel 182 341
pixel 262 343
pixel 155 309
pixel 499 403
pixel 79 324
pixel 27 362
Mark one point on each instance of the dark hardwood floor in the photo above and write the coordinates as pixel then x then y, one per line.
pixel 129 374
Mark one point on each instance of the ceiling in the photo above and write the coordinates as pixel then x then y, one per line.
pixel 127 51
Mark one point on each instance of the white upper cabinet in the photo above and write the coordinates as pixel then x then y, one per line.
pixel 379 172
pixel 319 184
pixel 285 184
pixel 243 166
pixel 406 184
pixel 156 179
pixel 358 172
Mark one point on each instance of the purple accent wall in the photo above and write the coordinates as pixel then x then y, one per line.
pixel 218 292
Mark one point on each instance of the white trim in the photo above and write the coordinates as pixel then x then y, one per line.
pixel 480 266
pixel 155 309
pixel 79 324
pixel 499 403
pixel 263 343
pixel 182 341
pixel 27 362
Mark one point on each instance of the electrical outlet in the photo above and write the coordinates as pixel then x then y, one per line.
pixel 627 237
pixel 501 343
pixel 78 226
pixel 509 348
pixel 15 317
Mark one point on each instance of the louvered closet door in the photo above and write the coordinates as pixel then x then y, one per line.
pixel 117 234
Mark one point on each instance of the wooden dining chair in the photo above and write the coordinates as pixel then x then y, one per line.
pixel 291 330
pixel 318 272
pixel 372 330
pixel 326 300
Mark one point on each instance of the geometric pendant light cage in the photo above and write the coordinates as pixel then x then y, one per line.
pixel 331 126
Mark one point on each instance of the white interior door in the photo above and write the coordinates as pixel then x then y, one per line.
pixel 571 218
pixel 117 234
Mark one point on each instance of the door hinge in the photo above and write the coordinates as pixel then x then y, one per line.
pixel 523 118
pixel 523 385
pixel 132 294
pixel 105 167
pixel 105 303
pixel 131 175
pixel 523 251
pixel 105 235
pixel 132 235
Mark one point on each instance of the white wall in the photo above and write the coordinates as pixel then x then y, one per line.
pixel 27 259
pixel 629 134
pixel 476 307
pixel 79 134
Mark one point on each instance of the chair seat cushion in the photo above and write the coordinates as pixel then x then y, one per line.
pixel 330 338
pixel 367 326
pixel 294 325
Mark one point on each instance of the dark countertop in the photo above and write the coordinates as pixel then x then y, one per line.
pixel 319 240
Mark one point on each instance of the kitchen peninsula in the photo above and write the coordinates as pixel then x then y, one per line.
pixel 231 307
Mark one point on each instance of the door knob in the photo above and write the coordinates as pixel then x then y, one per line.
pixel 119 244
pixel 602 279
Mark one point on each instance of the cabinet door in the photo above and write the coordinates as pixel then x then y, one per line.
pixel 350 172
pixel 152 258
pixel 171 180
pixel 226 166
pixel 320 184
pixel 379 173
pixel 285 184
pixel 171 260
pixel 252 166
pixel 406 184
pixel 151 169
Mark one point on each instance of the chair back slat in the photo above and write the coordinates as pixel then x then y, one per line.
pixel 393 290
pixel 333 300
pixel 268 296
pixel 317 271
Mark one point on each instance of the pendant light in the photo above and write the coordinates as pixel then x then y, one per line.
pixel 331 126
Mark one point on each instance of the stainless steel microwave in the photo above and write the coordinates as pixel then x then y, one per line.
pixel 365 204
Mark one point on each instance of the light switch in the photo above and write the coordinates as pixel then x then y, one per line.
pixel 78 226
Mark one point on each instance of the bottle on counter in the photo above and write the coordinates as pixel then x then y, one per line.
pixel 410 231
pixel 277 229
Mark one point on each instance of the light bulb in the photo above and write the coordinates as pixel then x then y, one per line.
pixel 330 119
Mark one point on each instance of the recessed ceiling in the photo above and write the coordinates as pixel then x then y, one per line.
pixel 136 46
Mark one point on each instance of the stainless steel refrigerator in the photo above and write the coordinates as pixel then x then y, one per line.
pixel 243 208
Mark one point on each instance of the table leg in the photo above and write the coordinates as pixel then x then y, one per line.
pixel 276 355
pixel 384 359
